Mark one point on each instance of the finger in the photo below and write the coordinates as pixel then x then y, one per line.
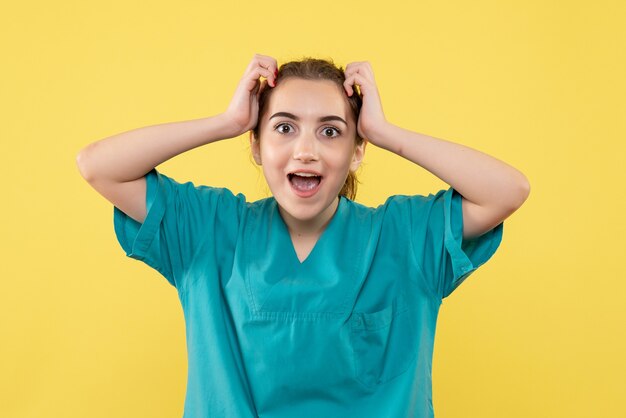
pixel 349 85
pixel 271 60
pixel 264 72
pixel 351 81
pixel 263 58
pixel 364 69
pixel 348 72
pixel 270 74
pixel 267 62
pixel 356 79
pixel 262 61
pixel 353 64
pixel 350 68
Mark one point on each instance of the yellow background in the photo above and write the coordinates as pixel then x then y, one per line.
pixel 538 331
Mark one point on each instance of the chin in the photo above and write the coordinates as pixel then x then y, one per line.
pixel 305 210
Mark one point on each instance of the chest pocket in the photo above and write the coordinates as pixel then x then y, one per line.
pixel 384 343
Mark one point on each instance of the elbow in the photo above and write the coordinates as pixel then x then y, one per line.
pixel 81 163
pixel 523 192
pixel 526 188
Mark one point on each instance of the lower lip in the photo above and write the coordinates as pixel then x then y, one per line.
pixel 308 193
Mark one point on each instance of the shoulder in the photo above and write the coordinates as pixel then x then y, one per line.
pixel 197 192
pixel 261 206
pixel 399 204
pixel 414 200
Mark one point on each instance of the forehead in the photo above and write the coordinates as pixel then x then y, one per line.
pixel 308 98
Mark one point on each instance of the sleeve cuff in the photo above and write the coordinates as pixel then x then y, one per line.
pixel 138 239
pixel 465 255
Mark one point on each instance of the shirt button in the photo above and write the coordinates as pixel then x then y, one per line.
pixel 358 321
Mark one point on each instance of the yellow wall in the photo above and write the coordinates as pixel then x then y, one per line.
pixel 538 331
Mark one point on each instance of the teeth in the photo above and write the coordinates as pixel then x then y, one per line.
pixel 305 174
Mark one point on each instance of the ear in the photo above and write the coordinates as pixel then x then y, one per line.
pixel 359 153
pixel 255 147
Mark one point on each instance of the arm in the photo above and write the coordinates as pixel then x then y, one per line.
pixel 491 189
pixel 130 155
pixel 116 166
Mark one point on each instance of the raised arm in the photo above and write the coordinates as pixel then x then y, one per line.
pixel 491 190
pixel 116 166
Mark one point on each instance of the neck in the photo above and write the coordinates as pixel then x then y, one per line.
pixel 309 227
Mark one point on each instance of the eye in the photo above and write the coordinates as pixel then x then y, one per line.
pixel 332 128
pixel 279 127
pixel 326 129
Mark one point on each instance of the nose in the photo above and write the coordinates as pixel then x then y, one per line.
pixel 305 148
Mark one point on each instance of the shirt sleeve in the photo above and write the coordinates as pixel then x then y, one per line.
pixel 445 258
pixel 183 222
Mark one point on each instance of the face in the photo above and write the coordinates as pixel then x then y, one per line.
pixel 307 126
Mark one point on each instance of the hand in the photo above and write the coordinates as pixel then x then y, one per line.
pixel 243 110
pixel 371 119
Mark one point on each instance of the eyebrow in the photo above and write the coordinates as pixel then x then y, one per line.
pixel 322 119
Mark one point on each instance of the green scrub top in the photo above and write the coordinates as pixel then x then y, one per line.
pixel 349 332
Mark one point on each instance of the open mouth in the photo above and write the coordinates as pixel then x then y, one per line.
pixel 304 184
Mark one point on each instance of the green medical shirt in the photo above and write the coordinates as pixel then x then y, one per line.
pixel 349 332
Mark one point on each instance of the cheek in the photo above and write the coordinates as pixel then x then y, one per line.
pixel 275 158
pixel 273 153
pixel 342 157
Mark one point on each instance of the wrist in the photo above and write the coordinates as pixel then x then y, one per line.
pixel 227 126
pixel 381 134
